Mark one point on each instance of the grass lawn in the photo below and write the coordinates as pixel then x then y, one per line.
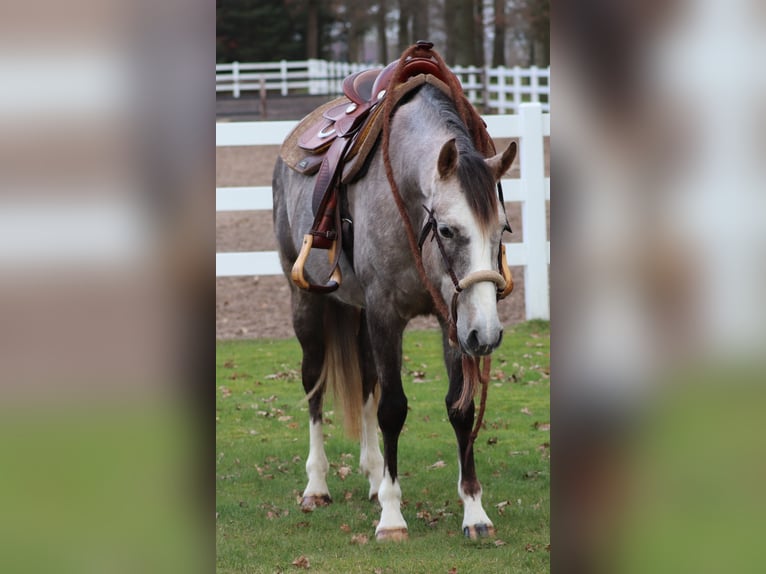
pixel 262 444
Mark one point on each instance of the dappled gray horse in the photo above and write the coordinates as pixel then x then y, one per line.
pixel 352 337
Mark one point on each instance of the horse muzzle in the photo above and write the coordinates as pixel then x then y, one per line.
pixel 479 329
pixel 478 345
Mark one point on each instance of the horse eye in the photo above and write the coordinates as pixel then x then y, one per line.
pixel 446 232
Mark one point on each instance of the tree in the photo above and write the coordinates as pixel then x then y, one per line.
pixel 258 30
pixel 498 44
pixel 461 32
pixel 533 17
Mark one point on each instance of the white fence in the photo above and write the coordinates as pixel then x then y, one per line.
pixel 531 190
pixel 500 89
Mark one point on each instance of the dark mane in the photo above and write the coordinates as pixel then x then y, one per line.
pixel 474 175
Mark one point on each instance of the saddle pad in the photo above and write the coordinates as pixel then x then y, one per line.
pixel 302 160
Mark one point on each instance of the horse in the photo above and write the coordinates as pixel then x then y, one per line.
pixel 351 338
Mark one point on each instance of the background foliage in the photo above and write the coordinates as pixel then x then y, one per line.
pixel 467 32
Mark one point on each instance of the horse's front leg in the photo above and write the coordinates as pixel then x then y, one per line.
pixel 386 344
pixel 370 457
pixel 476 523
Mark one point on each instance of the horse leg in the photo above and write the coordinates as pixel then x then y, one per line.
pixel 476 523
pixel 386 345
pixel 370 457
pixel 308 311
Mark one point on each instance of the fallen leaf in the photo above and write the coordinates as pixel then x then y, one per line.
pixel 302 562
pixel 501 506
pixel 542 426
pixel 360 539
pixel 499 542
pixel 225 392
pixel 452 570
pixel 438 464
pixel 529 547
pixel 345 528
pixel 526 411
pixel 492 440
pixel 285 418
pixel 344 471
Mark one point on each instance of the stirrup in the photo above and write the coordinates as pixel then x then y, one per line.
pixel 299 279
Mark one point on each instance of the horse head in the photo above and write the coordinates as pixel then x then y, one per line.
pixel 467 221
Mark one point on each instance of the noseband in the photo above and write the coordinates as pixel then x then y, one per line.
pixel 503 283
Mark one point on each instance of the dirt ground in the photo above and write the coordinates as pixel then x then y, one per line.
pixel 254 307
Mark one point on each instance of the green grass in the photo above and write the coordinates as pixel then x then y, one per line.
pixel 262 444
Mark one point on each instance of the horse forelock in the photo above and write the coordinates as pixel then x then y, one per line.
pixel 473 174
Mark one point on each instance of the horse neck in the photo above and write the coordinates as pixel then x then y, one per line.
pixel 416 140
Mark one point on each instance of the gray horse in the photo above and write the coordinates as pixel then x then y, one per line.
pixel 352 338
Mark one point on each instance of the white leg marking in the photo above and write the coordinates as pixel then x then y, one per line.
pixel 316 464
pixel 390 498
pixel 473 512
pixel 370 457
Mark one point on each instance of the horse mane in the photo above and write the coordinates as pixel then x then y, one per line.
pixel 476 179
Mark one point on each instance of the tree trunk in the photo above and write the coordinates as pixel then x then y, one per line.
pixel 498 46
pixel 461 32
pixel 478 31
pixel 405 15
pixel 420 20
pixel 380 24
pixel 312 29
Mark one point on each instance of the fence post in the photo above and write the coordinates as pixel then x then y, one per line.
pixel 283 76
pixel 501 94
pixel 534 85
pixel 516 75
pixel 315 77
pixel 235 78
pixel 536 287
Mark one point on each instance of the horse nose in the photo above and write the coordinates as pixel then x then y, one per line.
pixel 478 346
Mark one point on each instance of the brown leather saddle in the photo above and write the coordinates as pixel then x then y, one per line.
pixel 335 141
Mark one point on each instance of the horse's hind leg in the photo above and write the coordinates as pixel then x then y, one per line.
pixel 476 523
pixel 370 457
pixel 308 313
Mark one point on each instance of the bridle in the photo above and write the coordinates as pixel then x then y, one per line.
pixel 501 278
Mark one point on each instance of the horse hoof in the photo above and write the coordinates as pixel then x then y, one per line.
pixel 477 531
pixel 392 535
pixel 309 503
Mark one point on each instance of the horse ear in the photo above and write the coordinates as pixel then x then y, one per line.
pixel 500 163
pixel 447 159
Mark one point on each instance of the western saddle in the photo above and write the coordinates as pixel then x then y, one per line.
pixel 336 140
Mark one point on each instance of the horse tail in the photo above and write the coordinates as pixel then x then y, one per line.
pixel 341 372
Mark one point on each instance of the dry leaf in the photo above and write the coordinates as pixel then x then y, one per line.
pixel 360 539
pixel 344 471
pixel 542 426
pixel 345 528
pixel 526 411
pixel 499 542
pixel 438 464
pixel 302 562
